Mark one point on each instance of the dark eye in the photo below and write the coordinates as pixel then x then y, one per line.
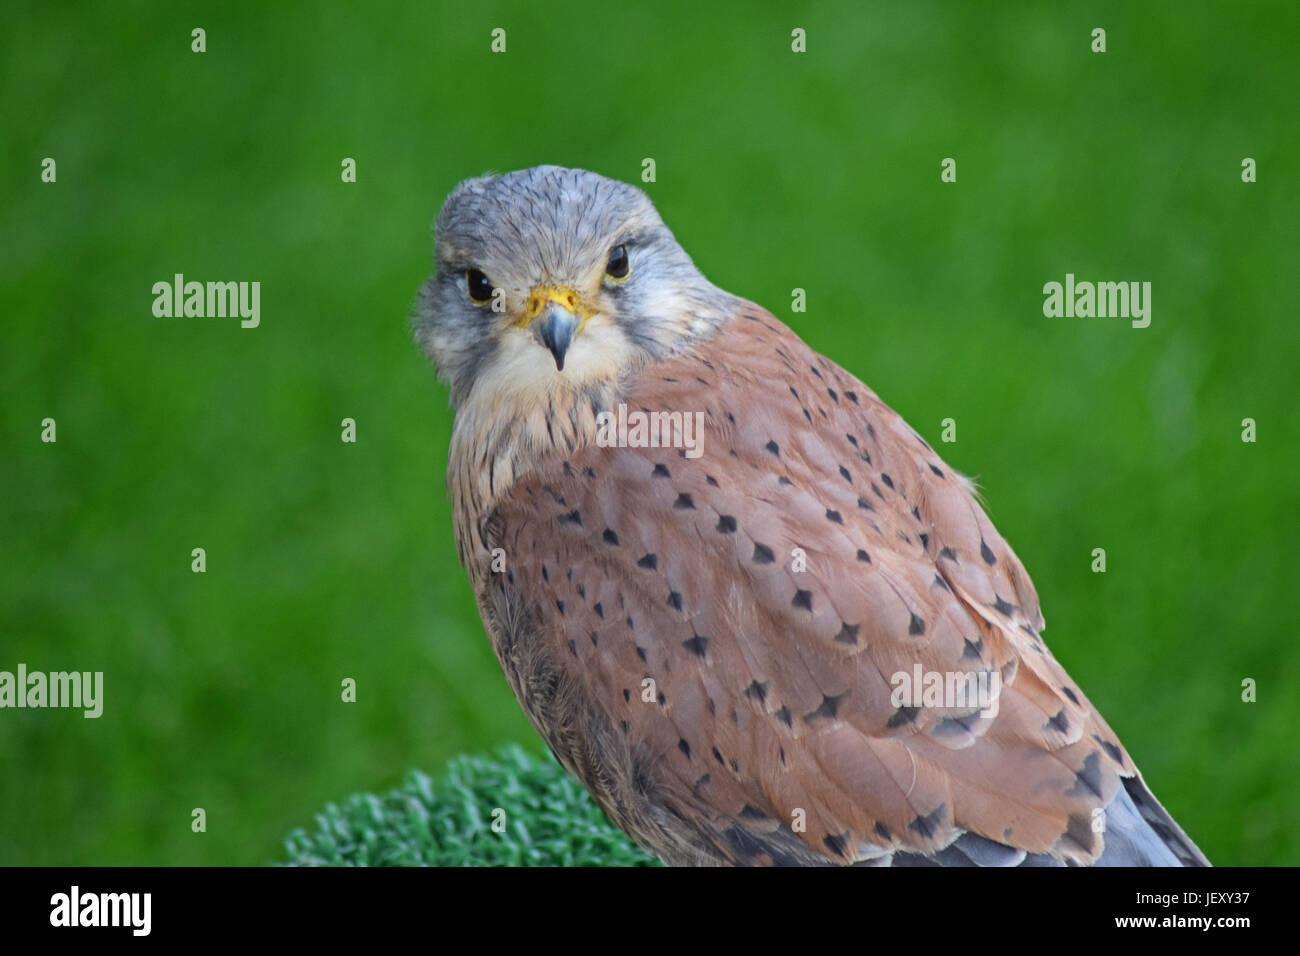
pixel 480 289
pixel 618 265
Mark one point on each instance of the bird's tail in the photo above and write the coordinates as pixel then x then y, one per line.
pixel 1140 832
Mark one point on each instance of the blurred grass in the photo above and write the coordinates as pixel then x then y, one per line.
pixel 328 560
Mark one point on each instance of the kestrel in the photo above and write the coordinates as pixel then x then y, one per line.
pixel 745 642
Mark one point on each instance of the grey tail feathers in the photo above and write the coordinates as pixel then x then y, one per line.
pixel 1140 832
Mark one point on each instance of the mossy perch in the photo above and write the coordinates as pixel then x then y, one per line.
pixel 447 821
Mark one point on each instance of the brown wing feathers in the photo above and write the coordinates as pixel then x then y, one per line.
pixel 669 594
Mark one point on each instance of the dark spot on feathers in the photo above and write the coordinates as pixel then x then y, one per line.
pixel 708 702
pixel 1079 829
pixel 783 481
pixel 1112 751
pixel 939 582
pixel 973 650
pixel 595 639
pixel 1089 778
pixel 757 691
pixel 640 652
pixel 863 556
pixel 610 536
pixel 844 473
pixel 726 524
pixel 573 517
pixel 662 699
pixel 588 473
pixel 785 716
pixel 560 606
pixel 675 600
pixel 599 609
pixel 697 645
pixel 630 625
pixel 802 599
pixel 773 447
pixel 948 553
pixel 649 562
pixel 573 648
pixel 684 747
pixel 546 575
pixel 882 831
pixel 763 554
pixel 937 472
pixel 751 812
pixel 852 397
pixel 718 757
pixel 684 502
pixel 837 844
pixel 916 626
pixel 827 710
pixel 953 726
pixel 623 724
pixel 1003 608
pixel 711 480
pixel 582 592
pixel 1070 694
pixel 987 554
pixel 925 540
pixel 834 516
pixel 1060 723
pixel 735 767
pixel 866 505
pixel 627 696
pixel 661 471
pixel 853 439
pixel 927 825
pixel 834 398
pixel 889 482
pixel 813 369
pixel 904 715
pixel 848 633
pixel 879 494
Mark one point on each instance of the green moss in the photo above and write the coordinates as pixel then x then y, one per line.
pixel 549 820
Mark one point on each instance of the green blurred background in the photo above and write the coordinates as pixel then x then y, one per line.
pixel 776 170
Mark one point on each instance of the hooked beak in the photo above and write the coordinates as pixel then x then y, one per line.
pixel 554 329
pixel 555 315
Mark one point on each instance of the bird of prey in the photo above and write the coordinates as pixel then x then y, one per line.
pixel 713 638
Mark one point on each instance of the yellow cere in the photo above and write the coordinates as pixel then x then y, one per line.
pixel 562 296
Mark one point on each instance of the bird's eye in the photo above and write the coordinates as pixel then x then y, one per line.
pixel 480 289
pixel 618 266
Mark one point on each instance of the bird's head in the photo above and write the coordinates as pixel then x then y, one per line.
pixel 551 280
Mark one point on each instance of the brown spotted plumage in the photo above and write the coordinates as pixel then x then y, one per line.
pixel 711 643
